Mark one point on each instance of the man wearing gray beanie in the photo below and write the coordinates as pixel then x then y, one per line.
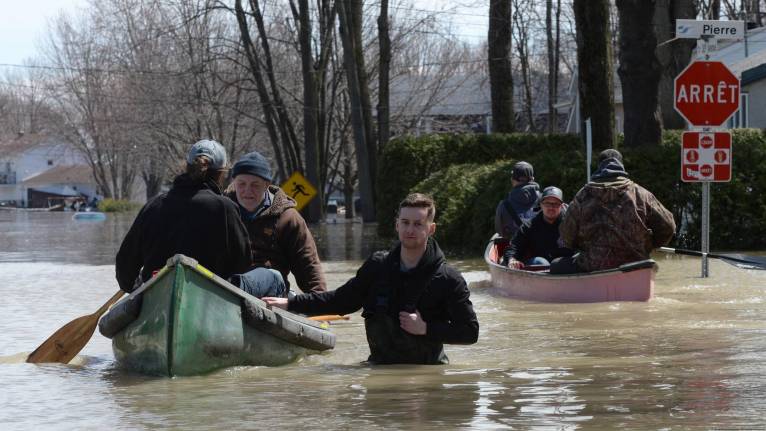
pixel 192 218
pixel 279 236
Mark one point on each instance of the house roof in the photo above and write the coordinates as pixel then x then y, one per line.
pixel 63 174
pixel 456 95
pixel 60 190
pixel 752 75
pixel 733 53
pixel 10 147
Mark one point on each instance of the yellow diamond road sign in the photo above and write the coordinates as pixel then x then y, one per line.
pixel 300 189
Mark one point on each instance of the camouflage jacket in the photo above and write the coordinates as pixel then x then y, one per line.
pixel 615 221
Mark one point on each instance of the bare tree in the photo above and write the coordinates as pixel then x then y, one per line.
pixel 595 74
pixel 87 106
pixel 500 73
pixel 350 14
pixel 384 76
pixel 673 54
pixel 709 9
pixel 313 78
pixel 523 11
pixel 640 72
pixel 553 67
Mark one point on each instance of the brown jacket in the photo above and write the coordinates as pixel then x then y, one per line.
pixel 281 240
pixel 615 221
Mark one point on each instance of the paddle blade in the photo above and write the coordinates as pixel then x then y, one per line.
pixel 328 318
pixel 67 342
pixel 744 261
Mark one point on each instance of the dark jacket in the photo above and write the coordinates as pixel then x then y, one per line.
pixel 537 238
pixel 517 208
pixel 433 288
pixel 613 221
pixel 192 219
pixel 281 240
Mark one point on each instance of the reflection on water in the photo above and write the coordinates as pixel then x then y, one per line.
pixel 692 358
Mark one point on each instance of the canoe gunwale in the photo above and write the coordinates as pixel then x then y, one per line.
pixel 281 324
pixel 628 267
pixel 630 282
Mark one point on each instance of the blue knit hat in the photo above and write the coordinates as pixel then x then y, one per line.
pixel 254 164
pixel 211 150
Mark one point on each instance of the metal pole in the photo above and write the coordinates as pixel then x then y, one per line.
pixel 588 146
pixel 705 227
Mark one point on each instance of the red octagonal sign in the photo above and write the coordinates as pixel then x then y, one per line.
pixel 706 93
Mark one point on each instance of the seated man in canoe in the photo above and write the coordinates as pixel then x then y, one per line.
pixel 279 237
pixel 192 218
pixel 413 301
pixel 612 221
pixel 538 241
pixel 519 206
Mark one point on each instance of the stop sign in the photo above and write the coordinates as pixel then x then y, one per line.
pixel 706 93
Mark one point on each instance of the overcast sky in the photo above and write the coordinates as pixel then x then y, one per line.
pixel 22 23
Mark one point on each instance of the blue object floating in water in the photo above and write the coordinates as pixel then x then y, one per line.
pixel 89 216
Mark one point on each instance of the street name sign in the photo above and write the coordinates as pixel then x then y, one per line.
pixel 706 157
pixel 702 29
pixel 300 189
pixel 706 93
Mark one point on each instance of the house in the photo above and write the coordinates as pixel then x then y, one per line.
pixel 38 166
pixel 746 58
pixel 459 103
pixel 63 183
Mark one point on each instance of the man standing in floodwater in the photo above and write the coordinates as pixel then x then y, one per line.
pixel 413 301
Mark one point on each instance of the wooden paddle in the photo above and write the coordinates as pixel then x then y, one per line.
pixel 67 342
pixel 328 318
pixel 739 260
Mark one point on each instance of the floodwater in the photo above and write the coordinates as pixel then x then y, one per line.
pixel 691 358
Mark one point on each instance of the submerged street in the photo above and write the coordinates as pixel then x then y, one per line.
pixel 690 358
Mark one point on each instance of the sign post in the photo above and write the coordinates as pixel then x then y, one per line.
pixel 706 95
pixel 706 158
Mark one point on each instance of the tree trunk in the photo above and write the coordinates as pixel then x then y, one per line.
pixel 283 168
pixel 499 62
pixel 595 75
pixel 359 125
pixel 552 117
pixel 639 72
pixel 310 111
pixel 673 56
pixel 713 11
pixel 384 42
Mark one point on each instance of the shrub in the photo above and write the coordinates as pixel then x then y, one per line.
pixel 469 174
pixel 110 205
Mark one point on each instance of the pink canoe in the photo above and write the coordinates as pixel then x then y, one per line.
pixel 630 282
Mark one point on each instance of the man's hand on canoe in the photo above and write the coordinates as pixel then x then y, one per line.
pixel 275 302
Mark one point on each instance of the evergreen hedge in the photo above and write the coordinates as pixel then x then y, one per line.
pixel 469 174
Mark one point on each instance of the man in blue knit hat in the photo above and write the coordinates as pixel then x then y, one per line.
pixel 279 237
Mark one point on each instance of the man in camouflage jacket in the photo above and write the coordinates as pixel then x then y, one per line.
pixel 613 220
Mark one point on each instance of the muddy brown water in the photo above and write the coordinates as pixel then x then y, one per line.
pixel 691 358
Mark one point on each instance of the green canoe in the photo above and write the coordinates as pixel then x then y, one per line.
pixel 187 321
